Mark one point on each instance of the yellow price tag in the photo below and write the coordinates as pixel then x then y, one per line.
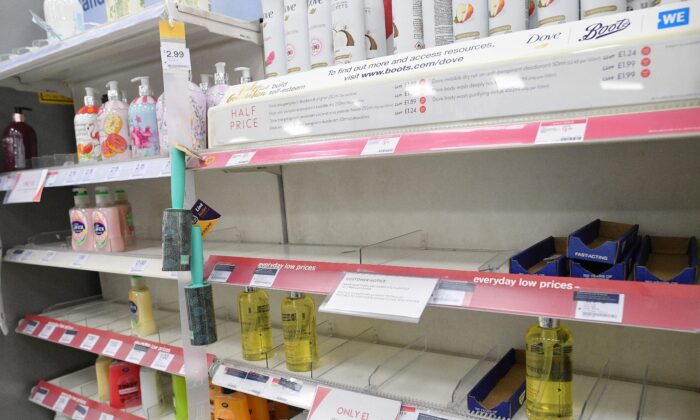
pixel 176 32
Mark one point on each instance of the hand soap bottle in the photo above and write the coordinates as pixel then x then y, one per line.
pixel 19 142
pixel 180 397
pixel 548 351
pixel 141 307
pixel 299 330
pixel 143 122
pixel 124 385
pixel 112 121
pixel 126 216
pixel 256 325
pixel 102 374
pixel 151 382
pixel 217 92
pixel 105 221
pixel 81 221
pixel 87 135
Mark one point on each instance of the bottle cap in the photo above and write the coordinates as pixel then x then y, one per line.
pixel 137 281
pixel 18 116
pixel 245 74
pixel 102 196
pixel 296 295
pixel 220 77
pixel 204 84
pixel 548 322
pixel 112 90
pixel 145 87
pixel 81 197
pixel 89 96
pixel 249 289
pixel 120 195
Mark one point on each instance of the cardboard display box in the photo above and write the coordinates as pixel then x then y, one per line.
pixel 617 271
pixel 667 259
pixel 501 392
pixel 602 242
pixel 545 258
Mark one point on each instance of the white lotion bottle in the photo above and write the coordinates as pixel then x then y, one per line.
pixel 437 23
pixel 151 388
pixel 408 25
pixel 274 47
pixel 375 29
pixel 470 19
pixel 348 31
pixel 320 33
pixel 507 16
pixel 296 35
pixel 217 92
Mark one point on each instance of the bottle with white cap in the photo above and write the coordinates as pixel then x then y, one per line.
pixel 112 123
pixel 245 74
pixel 218 91
pixel 87 135
pixel 106 223
pixel 204 80
pixel 81 221
pixel 143 121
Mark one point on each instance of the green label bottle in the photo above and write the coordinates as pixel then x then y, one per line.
pixel 256 325
pixel 299 330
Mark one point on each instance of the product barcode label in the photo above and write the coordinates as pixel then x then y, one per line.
pixel 264 277
pixel 47 330
pixel 26 255
pixel 105 416
pixel 165 169
pixel 61 403
pixel 114 172
pixel 380 146
pixel 238 159
pixel 254 383
pixel 40 395
pixel 452 293
pixel 139 170
pixel 221 273
pixel 561 132
pixel 48 256
pixel 112 347
pixel 51 179
pixel 80 412
pixel 72 177
pixel 89 342
pixel 604 307
pixel 30 327
pixel 15 254
pixel 88 175
pixel 136 354
pixel 162 361
pixel 139 266
pixel 68 337
pixel 80 260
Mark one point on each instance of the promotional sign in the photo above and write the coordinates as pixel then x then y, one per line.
pixel 332 403
pixel 27 188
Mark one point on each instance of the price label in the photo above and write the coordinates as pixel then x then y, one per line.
pixel 61 403
pixel 230 377
pixel 254 383
pixel 80 260
pixel 48 256
pixel 15 254
pixel 291 391
pixel 603 307
pixel 139 266
pixel 561 132
pixel 173 274
pixel 162 361
pixel 30 327
pixel 89 342
pixel 51 179
pixel 27 255
pixel 238 159
pixel 139 170
pixel 72 177
pixel 112 347
pixel 105 416
pixel 68 337
pixel 47 330
pixel 165 169
pixel 88 175
pixel 221 273
pixel 136 354
pixel 175 56
pixel 114 172
pixel 40 395
pixel 264 277
pixel 452 293
pixel 80 412
pixel 380 146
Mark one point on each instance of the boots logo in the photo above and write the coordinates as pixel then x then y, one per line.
pixel 600 30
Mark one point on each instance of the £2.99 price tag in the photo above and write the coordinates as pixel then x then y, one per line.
pixel 603 307
pixel 175 56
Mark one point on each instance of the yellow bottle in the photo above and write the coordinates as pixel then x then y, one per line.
pixel 256 325
pixel 299 330
pixel 549 348
pixel 213 392
pixel 258 407
pixel 141 307
pixel 102 373
pixel 231 406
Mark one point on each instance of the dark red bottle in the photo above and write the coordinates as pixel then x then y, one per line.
pixel 18 129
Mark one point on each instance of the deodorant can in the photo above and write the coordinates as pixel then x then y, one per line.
pixel 470 19
pixel 273 38
pixel 507 16
pixel 552 12
pixel 348 31
pixel 320 33
pixel 437 23
pixel 408 25
pixel 592 8
pixel 375 30
pixel 296 35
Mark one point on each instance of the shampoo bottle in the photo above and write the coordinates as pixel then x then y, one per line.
pixel 143 121
pixel 299 331
pixel 106 223
pixel 102 374
pixel 81 221
pixel 320 33
pixel 19 142
pixel 296 35
pixel 231 406
pixel 217 92
pixel 437 23
pixel 180 397
pixel 275 49
pixel 375 30
pixel 548 351
pixel 124 387
pixel 141 308
pixel 348 31
pixel 256 325
pixel 126 216
pixel 87 135
pixel 112 123
pixel 470 19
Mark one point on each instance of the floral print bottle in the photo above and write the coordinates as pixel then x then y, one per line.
pixel 112 121
pixel 198 121
pixel 87 135
pixel 143 123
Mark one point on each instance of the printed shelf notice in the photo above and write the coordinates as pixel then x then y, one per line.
pixel 400 298
pixel 333 403
pixel 602 307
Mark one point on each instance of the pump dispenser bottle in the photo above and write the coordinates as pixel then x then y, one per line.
pixel 299 331
pixel 102 375
pixel 19 144
pixel 81 221
pixel 548 351
pixel 256 325
pixel 105 221
pixel 126 216
pixel 141 306
pixel 217 92
pixel 87 136
pixel 112 121
pixel 198 120
pixel 143 122
pixel 245 74
pixel 205 79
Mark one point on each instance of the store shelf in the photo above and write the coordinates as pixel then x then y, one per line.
pixel 75 395
pixel 116 46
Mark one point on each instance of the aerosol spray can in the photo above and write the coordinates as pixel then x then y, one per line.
pixel 296 34
pixel 375 31
pixel 320 33
pixel 408 25
pixel 348 30
pixel 437 23
pixel 551 12
pixel 591 8
pixel 532 14
pixel 507 16
pixel 273 38
pixel 638 4
pixel 470 19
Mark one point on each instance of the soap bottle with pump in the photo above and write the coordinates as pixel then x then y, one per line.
pixel 143 121
pixel 113 125
pixel 19 142
pixel 126 216
pixel 217 92
pixel 81 221
pixel 102 365
pixel 106 223
pixel 87 136
pixel 299 331
pixel 245 74
pixel 256 325
pixel 198 120
pixel 124 385
pixel 205 80
pixel 141 307
pixel 548 377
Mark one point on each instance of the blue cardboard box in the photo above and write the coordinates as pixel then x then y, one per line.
pixel 617 271
pixel 601 241
pixel 501 392
pixel 667 259
pixel 545 258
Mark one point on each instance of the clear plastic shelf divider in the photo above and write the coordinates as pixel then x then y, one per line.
pixel 596 393
pixel 89 390
pixel 643 395
pixel 159 411
pixel 391 366
pixel 382 252
pixel 336 353
pixel 71 305
pixel 498 261
pixel 474 375
pixel 63 237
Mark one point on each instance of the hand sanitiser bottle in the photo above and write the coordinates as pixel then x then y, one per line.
pixel 256 325
pixel 143 121
pixel 549 347
pixel 141 307
pixel 81 221
pixel 87 135
pixel 299 331
pixel 112 122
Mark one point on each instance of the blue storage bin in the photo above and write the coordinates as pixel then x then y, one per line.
pixel 601 241
pixel 617 271
pixel 501 392
pixel 545 258
pixel 667 259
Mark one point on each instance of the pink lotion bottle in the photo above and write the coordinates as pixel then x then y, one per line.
pixel 126 215
pixel 81 221
pixel 106 223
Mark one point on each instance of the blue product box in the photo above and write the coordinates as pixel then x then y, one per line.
pixel 545 258
pixel 596 270
pixel 603 242
pixel 501 392
pixel 667 259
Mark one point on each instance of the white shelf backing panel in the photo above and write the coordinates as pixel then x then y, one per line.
pixel 118 46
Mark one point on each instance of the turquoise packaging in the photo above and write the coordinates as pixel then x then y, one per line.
pixel 143 121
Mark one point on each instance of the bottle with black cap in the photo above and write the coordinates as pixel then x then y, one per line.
pixel 18 142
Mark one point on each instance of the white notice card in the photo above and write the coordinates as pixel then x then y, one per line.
pixel 28 189
pixel 332 403
pixel 399 298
